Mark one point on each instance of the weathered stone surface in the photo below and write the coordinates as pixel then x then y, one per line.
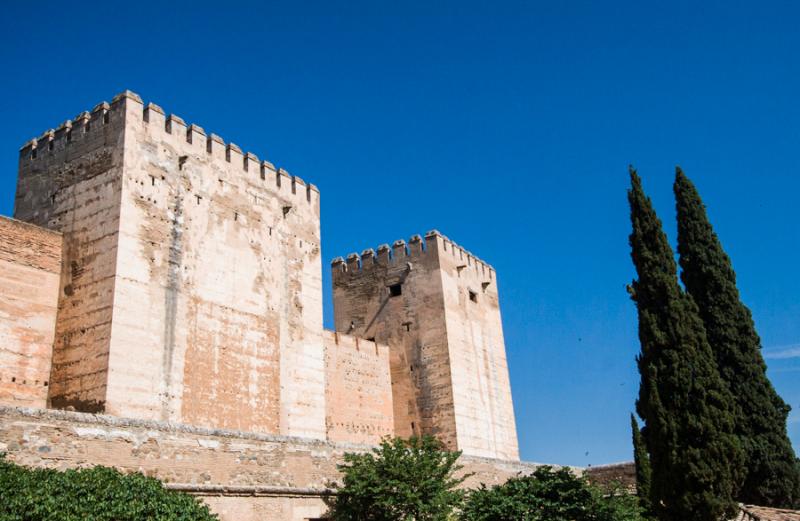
pixel 193 289
pixel 30 270
pixel 437 307
pixel 358 389
pixel 243 476
pixel 177 280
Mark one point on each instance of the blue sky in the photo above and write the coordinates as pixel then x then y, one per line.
pixel 508 127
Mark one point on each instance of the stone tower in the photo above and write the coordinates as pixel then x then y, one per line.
pixel 436 306
pixel 191 278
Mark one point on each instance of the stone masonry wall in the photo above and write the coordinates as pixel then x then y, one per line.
pixel 218 305
pixel 70 180
pixel 437 306
pixel 410 321
pixel 481 386
pixel 30 269
pixel 358 389
pixel 242 476
pixel 192 288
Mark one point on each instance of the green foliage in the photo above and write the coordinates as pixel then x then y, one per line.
pixel 98 493
pixel 401 480
pixel 641 461
pixel 696 461
pixel 548 495
pixel 773 477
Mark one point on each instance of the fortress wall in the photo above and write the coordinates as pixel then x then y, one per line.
pixel 70 180
pixel 207 260
pixel 242 476
pixel 30 267
pixel 449 368
pixel 411 323
pixel 358 389
pixel 482 390
pixel 218 305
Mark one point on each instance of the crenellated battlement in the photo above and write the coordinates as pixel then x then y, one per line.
pixel 228 155
pixel 72 131
pixel 401 251
pixel 354 343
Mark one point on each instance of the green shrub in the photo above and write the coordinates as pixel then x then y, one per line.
pixel 97 494
pixel 402 480
pixel 548 495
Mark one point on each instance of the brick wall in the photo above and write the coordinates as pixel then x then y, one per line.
pixel 30 268
pixel 358 389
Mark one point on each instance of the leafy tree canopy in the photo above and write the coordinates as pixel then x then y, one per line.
pixel 401 480
pixel 696 461
pixel 772 473
pixel 97 493
pixel 549 495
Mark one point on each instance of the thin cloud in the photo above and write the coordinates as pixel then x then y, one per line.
pixel 784 370
pixel 782 352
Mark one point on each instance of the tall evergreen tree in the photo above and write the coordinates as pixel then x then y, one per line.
pixel 695 459
pixel 773 476
pixel 642 463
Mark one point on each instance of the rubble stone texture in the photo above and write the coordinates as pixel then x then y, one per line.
pixel 242 476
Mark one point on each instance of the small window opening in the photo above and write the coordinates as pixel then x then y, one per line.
pixel 13 378
pixel 88 126
pixel 395 290
pixel 105 118
pixel 198 199
pixel 413 428
pixel 371 339
pixel 182 161
pixel 473 296
pixel 50 145
pixel 33 154
pixel 407 326
pixel 152 181
pixel 69 135
pixel 235 216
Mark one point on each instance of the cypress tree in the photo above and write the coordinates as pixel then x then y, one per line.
pixel 772 475
pixel 642 463
pixel 694 457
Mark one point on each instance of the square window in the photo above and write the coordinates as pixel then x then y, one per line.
pixel 395 290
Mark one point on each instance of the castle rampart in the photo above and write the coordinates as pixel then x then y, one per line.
pixel 150 209
pixel 437 306
pixel 30 270
pixel 358 389
pixel 166 286
pixel 242 476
